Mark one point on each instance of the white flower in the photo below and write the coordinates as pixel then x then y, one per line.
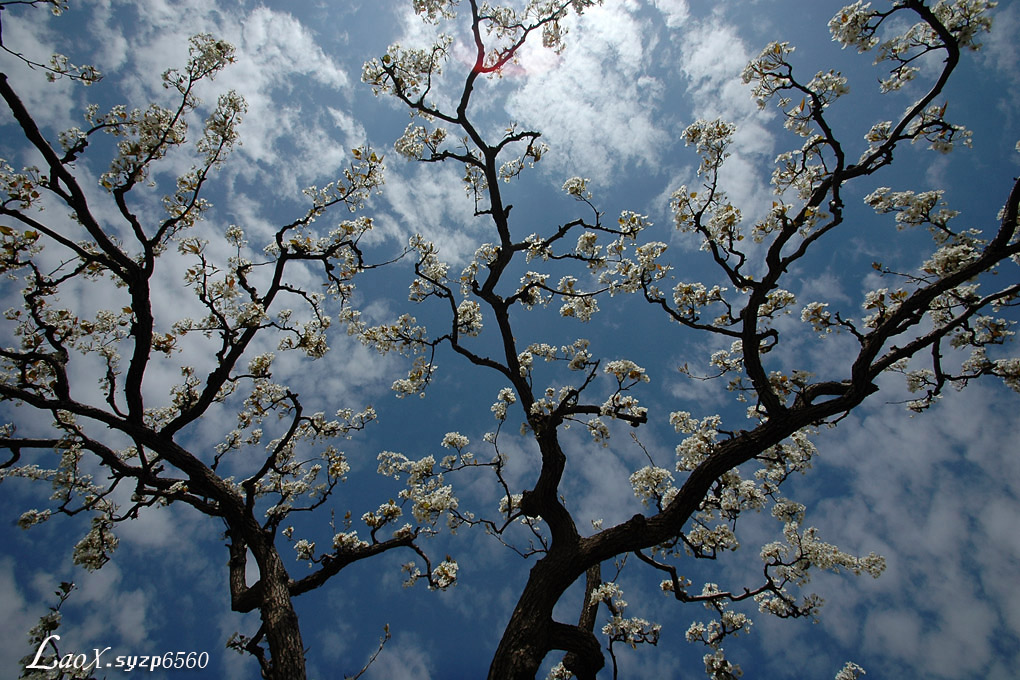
pixel 259 365
pixel 454 440
pixel 469 318
pixel 387 512
pixel 349 541
pixel 586 244
pixel 625 369
pixel 93 550
pixel 508 504
pixel 850 27
pixel 33 517
pixel 559 672
pixel 653 483
pixel 413 574
pixel 445 574
pixel 575 186
pixel 850 671
pixel 305 549
pixel 505 398
pixel 949 259
pixel 598 430
pixel 235 235
pixel 814 313
pixel 430 500
pixel 608 592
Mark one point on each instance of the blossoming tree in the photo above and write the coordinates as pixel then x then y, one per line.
pixel 88 377
pixel 96 422
pixel 933 324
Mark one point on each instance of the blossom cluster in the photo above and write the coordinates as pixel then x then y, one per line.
pixel 654 485
pixel 445 574
pixel 852 26
pixel 694 449
pixel 430 498
pixel 577 187
pixel 710 140
pixel 504 399
pixel 631 631
pixel 727 623
pixel 814 313
pixel 690 298
pixel 914 209
pixel 416 139
pixel 406 73
pixel 769 71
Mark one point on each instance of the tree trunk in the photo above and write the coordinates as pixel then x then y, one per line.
pixel 279 620
pixel 531 633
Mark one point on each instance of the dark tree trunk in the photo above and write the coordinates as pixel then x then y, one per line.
pixel 283 634
pixel 532 633
pixel 279 620
pixel 526 639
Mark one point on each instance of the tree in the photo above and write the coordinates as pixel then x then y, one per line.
pixel 88 368
pixel 942 305
pixel 932 325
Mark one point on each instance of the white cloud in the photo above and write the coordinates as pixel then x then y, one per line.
pixel 156 528
pixel 236 666
pixel 594 131
pixel 1001 51
pixel 15 615
pixel 713 57
pixel 947 597
pixel 279 42
pixel 274 51
pixel 675 11
pixel 31 33
pixel 404 657
pixel 112 608
pixel 597 480
pixel 354 131
pixel 430 199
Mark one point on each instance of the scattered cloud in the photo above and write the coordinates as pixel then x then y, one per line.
pixel 595 132
pixel 1002 52
pixel 915 500
pixel 406 656
pixel 675 11
pixel 430 200
pixel 17 616
pixel 713 57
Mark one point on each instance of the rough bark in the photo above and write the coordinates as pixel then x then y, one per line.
pixel 279 620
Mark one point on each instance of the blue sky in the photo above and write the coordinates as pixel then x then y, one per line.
pixel 936 493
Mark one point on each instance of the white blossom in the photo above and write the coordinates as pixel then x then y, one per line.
pixel 305 550
pixel 469 318
pixel 93 550
pixel 32 517
pixel 454 440
pixel 652 483
pixel 850 671
pixel 851 27
pixel 505 398
pixel 445 575
pixel 815 314
pixel 348 541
